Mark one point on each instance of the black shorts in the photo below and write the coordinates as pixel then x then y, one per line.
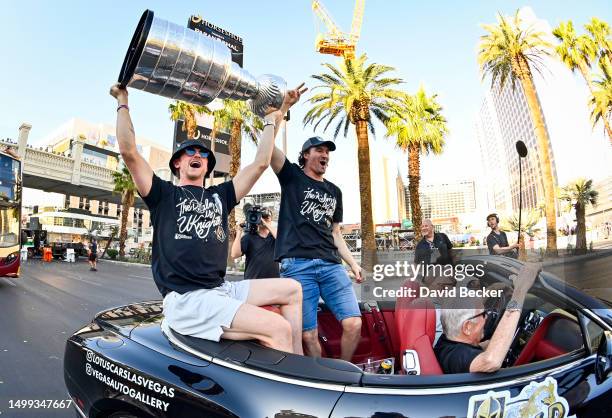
pixel 93 257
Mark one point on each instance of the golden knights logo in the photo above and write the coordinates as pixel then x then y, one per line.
pixel 537 400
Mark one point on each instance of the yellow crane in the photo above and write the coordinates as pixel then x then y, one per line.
pixel 336 42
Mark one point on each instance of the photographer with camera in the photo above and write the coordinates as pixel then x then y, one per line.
pixel 255 239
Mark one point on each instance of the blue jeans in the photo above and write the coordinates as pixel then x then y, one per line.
pixel 321 278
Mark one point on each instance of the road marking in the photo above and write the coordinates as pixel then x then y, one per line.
pixel 140 277
pixel 83 280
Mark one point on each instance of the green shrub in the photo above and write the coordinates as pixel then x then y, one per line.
pixel 112 254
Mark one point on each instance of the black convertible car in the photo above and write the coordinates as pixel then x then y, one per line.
pixel 122 365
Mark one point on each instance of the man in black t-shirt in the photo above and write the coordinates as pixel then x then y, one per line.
pixel 93 255
pixel 434 247
pixel 497 241
pixel 461 350
pixel 190 241
pixel 310 245
pixel 258 248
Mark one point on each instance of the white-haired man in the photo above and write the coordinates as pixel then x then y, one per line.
pixel 459 351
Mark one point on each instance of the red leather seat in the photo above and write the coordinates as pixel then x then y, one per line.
pixel 539 347
pixel 416 326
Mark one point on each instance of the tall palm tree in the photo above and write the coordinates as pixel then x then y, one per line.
pixel 419 128
pixel 601 101
pixel 602 37
pixel 124 184
pixel 511 51
pixel 237 118
pixel 579 194
pixel 187 112
pixel 354 91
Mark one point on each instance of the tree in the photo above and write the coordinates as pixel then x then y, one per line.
pixel 528 226
pixel 236 117
pixel 601 101
pixel 354 91
pixel 187 112
pixel 510 51
pixel 124 184
pixel 602 37
pixel 112 233
pixel 419 128
pixel 579 194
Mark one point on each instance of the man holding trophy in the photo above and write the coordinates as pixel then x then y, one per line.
pixel 190 246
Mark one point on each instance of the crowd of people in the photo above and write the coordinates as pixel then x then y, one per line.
pixel 294 264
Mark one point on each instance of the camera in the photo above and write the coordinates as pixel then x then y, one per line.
pixel 252 216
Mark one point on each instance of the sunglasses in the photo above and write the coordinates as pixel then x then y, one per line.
pixel 191 151
pixel 484 315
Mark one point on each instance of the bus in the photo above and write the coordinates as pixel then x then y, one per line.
pixel 10 215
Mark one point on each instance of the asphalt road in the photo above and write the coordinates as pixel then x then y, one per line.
pixel 39 310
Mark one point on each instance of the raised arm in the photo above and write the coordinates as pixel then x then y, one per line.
pixel 236 250
pixel 126 137
pixel 246 178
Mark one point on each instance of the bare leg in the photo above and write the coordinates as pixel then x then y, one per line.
pixel 351 333
pixel 252 322
pixel 311 341
pixel 284 292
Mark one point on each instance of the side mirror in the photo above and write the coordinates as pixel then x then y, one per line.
pixel 410 362
pixel 603 362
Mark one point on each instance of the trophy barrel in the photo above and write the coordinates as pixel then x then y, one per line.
pixel 178 63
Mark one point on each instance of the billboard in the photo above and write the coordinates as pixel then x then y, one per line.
pixel 233 42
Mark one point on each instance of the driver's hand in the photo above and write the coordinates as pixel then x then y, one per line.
pixel 526 276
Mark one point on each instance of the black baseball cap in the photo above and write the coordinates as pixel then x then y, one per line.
pixel 192 143
pixel 315 141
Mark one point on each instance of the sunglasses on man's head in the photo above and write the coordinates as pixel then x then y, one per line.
pixel 191 151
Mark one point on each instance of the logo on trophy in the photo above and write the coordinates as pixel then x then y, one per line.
pixel 179 63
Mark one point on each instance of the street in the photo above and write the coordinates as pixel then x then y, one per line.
pixel 40 309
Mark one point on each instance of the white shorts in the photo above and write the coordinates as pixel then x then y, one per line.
pixel 201 313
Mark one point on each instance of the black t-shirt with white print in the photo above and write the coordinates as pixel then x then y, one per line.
pixel 308 210
pixel 190 233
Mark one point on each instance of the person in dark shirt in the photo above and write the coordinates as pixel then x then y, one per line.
pixel 93 255
pixel 258 249
pixel 190 241
pixel 434 247
pixel 310 246
pixel 459 349
pixel 497 241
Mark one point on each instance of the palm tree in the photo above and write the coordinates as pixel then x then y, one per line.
pixel 236 117
pixel 577 53
pixel 579 194
pixel 419 128
pixel 124 184
pixel 601 101
pixel 528 226
pixel 187 112
pixel 510 51
pixel 354 91
pixel 602 37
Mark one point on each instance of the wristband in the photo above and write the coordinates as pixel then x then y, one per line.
pixel 124 106
pixel 269 122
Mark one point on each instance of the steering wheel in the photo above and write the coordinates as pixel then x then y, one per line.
pixel 528 323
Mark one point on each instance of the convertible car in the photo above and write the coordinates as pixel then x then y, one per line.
pixel 123 365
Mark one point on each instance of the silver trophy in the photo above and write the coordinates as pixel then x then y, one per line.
pixel 176 62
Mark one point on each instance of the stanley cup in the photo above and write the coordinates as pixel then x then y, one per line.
pixel 179 63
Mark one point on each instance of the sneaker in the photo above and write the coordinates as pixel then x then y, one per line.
pixel 92 269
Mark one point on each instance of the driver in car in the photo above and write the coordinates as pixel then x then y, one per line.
pixel 459 349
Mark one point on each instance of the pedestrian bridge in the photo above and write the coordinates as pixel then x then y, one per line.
pixel 52 172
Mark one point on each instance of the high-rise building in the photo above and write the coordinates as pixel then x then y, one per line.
pixel 447 200
pixel 575 149
pixel 402 202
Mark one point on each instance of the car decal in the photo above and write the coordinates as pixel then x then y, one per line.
pixel 112 374
pixel 538 400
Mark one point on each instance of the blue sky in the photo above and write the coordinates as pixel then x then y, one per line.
pixel 59 58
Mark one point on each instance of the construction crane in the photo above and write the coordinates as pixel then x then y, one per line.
pixel 336 42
